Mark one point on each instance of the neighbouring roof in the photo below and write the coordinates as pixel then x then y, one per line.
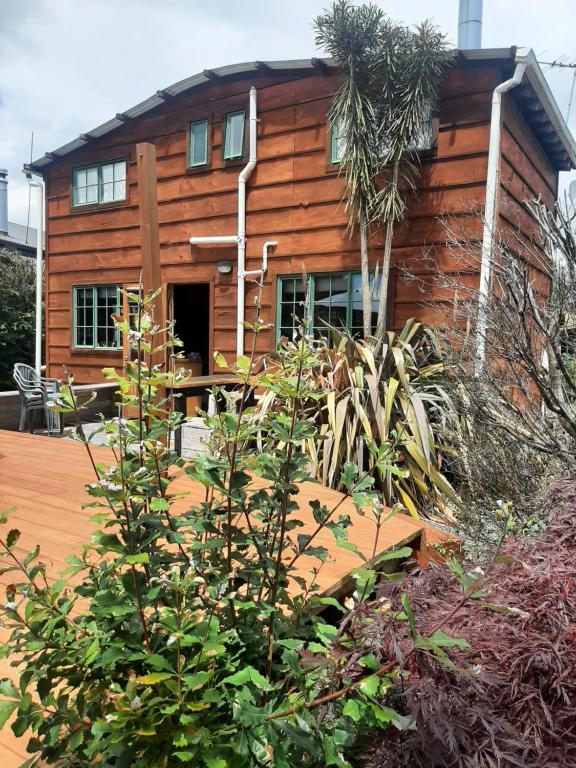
pixel 545 117
pixel 19 236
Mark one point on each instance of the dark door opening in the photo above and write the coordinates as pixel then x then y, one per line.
pixel 191 313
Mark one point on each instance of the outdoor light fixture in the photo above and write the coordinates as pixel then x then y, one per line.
pixel 224 267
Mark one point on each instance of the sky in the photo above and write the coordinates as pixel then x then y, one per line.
pixel 68 65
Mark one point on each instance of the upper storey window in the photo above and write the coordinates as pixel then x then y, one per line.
pixel 422 142
pixel 198 149
pixel 234 135
pixel 99 183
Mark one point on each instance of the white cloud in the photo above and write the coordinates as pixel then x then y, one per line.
pixel 68 65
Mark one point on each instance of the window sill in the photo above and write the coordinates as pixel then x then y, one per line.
pixel 199 168
pixel 95 350
pixel 74 209
pixel 233 162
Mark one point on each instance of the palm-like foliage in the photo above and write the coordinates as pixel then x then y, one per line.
pixel 391 76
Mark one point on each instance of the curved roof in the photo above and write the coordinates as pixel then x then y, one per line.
pixel 196 82
pixel 534 99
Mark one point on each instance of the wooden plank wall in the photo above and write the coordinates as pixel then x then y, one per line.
pixel 293 197
pixel 526 173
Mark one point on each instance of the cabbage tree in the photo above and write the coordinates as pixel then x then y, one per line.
pixel 391 75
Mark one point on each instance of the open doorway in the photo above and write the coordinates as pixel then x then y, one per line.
pixel 191 313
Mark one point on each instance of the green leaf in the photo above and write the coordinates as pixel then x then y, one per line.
pixel 393 554
pixel 12 537
pixel 215 762
pixel 153 678
pixel 369 662
pixel 409 613
pixel 7 688
pixel 6 710
pixel 440 640
pixel 140 559
pixel 248 674
pixel 159 505
pixel 369 686
pixel 351 709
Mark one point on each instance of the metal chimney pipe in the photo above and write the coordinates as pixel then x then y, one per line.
pixel 3 201
pixel 470 25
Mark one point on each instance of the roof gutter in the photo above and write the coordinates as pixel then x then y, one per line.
pixel 490 208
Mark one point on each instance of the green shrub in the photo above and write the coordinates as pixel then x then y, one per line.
pixel 17 303
pixel 183 640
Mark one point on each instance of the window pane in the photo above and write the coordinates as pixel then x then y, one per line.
pixel 107 173
pixel 119 190
pixel 92 194
pixel 357 313
pixel 199 143
pixel 425 137
pixel 92 176
pixel 107 192
pixel 330 303
pixel 120 170
pixel 292 305
pixel 80 196
pixel 338 142
pixel 80 178
pixel 234 139
pixel 84 316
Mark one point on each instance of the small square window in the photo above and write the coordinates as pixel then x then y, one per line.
pixel 234 135
pixel 198 150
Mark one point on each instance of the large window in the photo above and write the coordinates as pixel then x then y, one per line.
pixel 198 149
pixel 234 135
pixel 102 183
pixel 93 308
pixel 323 301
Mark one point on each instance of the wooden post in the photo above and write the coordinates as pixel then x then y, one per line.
pixel 149 232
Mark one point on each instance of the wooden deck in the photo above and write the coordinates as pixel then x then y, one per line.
pixel 44 480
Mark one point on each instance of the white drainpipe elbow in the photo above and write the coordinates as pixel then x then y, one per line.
pixel 490 208
pixel 264 268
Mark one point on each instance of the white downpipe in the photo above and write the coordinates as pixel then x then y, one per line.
pixel 39 227
pixel 242 179
pixel 492 187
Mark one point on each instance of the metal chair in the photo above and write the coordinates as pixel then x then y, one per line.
pixel 35 394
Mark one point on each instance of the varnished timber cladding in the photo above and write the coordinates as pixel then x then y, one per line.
pixel 293 197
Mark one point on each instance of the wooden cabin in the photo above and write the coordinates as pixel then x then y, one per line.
pixel 199 128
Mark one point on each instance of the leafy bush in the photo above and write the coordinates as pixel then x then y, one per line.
pixel 186 636
pixel 17 303
pixel 391 394
pixel 510 700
